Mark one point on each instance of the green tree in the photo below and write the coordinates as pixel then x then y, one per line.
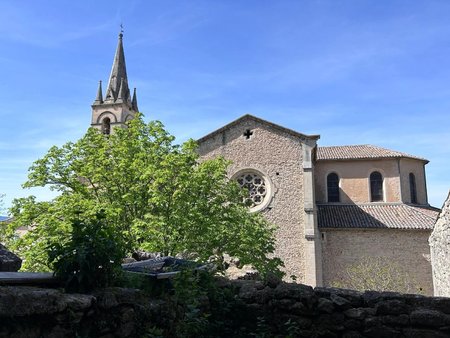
pixel 156 195
pixel 2 224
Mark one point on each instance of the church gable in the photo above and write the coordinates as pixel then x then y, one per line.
pixel 262 150
pixel 250 136
pixel 275 164
pixel 252 121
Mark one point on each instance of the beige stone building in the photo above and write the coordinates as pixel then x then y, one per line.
pixel 334 206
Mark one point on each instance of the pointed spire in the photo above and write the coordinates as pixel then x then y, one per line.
pixel 99 98
pixel 134 101
pixel 118 77
pixel 121 97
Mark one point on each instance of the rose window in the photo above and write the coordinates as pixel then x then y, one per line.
pixel 256 187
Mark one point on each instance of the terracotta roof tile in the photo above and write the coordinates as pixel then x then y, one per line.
pixel 365 151
pixel 393 216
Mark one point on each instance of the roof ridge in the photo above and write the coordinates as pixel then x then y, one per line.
pixel 259 120
pixel 362 204
pixel 347 145
pixel 361 151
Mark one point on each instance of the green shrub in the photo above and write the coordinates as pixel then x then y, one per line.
pixel 90 258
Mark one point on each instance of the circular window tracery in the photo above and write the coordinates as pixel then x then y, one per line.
pixel 256 186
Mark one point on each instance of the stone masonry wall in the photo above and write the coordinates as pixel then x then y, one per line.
pixel 278 156
pixel 407 249
pixel 354 179
pixel 270 310
pixel 440 252
pixel 328 312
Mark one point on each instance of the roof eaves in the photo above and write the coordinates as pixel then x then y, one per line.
pixel 392 224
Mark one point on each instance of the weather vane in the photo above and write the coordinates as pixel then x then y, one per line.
pixel 121 28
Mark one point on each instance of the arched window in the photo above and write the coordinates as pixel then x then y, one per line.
pixel 333 187
pixel 412 188
pixel 106 126
pixel 376 187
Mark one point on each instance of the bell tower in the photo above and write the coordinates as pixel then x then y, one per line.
pixel 118 107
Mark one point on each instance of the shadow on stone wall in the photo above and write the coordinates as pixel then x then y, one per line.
pixel 270 310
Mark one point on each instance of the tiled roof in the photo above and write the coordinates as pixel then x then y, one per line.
pixel 383 215
pixel 365 151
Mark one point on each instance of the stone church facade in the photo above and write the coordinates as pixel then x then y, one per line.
pixel 333 206
pixel 282 159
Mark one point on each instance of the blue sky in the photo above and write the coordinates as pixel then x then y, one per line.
pixel 355 72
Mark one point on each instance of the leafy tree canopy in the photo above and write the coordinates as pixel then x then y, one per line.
pixel 157 196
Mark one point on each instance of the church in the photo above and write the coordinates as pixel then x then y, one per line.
pixel 334 207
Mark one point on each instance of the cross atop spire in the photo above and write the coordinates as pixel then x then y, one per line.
pixel 118 77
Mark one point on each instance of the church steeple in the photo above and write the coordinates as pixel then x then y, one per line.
pixel 118 106
pixel 118 76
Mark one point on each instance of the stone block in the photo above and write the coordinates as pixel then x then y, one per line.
pixel 352 324
pixel 429 318
pixel 340 302
pixel 423 333
pixel 382 331
pixel 325 306
pixel 8 260
pixel 400 320
pixel 333 322
pixel 391 307
pixel 359 313
pixel 351 334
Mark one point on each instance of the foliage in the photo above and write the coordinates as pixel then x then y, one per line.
pixel 155 195
pixel 1 203
pixel 190 321
pixel 90 258
pixel 262 329
pixel 378 274
pixel 2 225
pixel 201 305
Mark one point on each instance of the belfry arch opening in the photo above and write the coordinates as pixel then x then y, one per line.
pixel 106 126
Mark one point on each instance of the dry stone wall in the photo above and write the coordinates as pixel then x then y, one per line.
pixel 271 310
pixel 440 252
pixel 329 312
